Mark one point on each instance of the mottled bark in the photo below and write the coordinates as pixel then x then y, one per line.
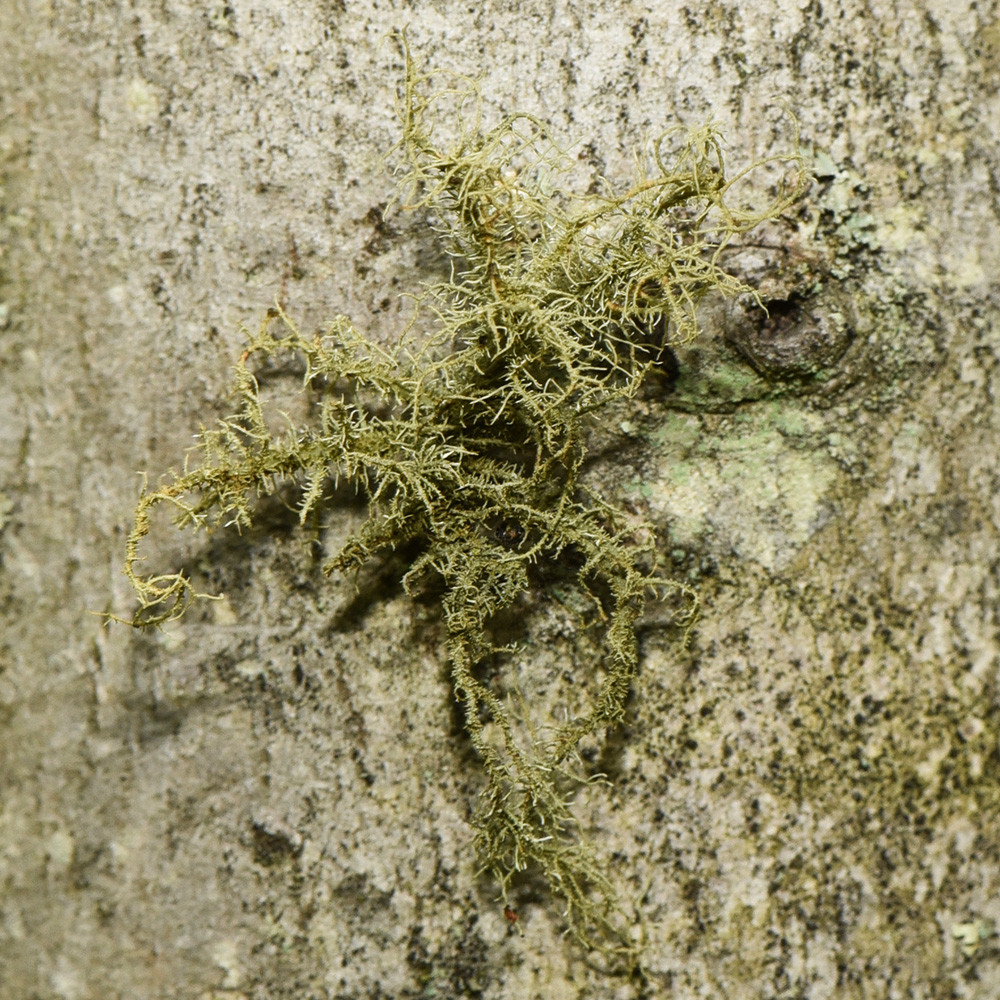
pixel 270 799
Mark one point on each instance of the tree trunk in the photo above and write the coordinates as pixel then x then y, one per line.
pixel 271 798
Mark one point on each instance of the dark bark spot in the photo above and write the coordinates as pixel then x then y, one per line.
pixel 796 337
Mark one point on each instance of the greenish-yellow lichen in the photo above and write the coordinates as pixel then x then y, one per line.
pixel 473 444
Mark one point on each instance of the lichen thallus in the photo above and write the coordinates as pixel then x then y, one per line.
pixel 473 444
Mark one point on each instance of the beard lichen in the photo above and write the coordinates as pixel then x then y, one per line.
pixel 472 446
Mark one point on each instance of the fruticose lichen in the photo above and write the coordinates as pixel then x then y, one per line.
pixel 471 446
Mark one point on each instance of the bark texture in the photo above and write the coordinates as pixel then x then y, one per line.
pixel 270 799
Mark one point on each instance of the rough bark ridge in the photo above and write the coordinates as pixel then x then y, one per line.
pixel 271 800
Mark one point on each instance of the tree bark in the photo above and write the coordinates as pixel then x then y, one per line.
pixel 270 798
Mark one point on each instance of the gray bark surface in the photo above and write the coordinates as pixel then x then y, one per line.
pixel 270 799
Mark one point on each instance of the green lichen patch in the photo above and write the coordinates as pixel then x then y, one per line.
pixel 757 483
pixel 470 446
